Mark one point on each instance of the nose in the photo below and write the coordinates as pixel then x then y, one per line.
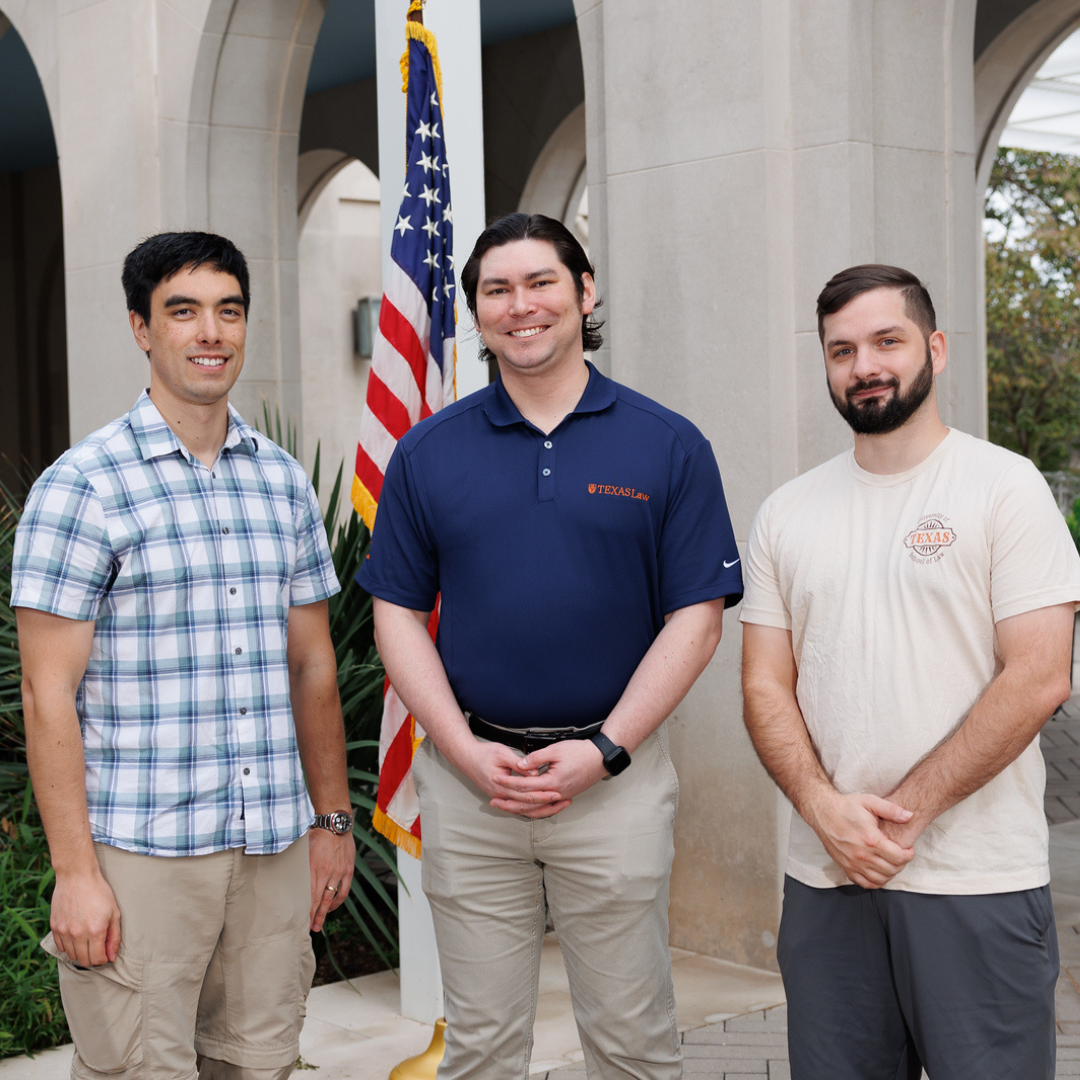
pixel 209 330
pixel 866 365
pixel 521 302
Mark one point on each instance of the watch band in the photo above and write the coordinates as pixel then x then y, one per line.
pixel 616 758
pixel 340 822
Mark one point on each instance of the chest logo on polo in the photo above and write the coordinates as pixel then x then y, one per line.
pixel 615 489
pixel 926 543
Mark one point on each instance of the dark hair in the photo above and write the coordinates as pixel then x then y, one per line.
pixel 534 227
pixel 159 257
pixel 855 280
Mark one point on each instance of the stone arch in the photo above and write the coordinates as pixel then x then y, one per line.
pixel 1006 66
pixel 247 96
pixel 557 179
pixel 34 408
pixel 315 169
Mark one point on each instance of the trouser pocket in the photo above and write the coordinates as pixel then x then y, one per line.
pixel 104 1009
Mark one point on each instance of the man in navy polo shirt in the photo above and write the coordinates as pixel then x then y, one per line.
pixel 579 536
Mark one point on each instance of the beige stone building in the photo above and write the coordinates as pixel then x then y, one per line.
pixel 725 157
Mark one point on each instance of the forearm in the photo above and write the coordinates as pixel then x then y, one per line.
pixel 680 653
pixel 54 753
pixel 779 735
pixel 320 736
pixel 416 671
pixel 1000 725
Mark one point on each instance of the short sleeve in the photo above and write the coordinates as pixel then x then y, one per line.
pixel 402 566
pixel 63 561
pixel 764 602
pixel 313 575
pixel 698 556
pixel 1033 560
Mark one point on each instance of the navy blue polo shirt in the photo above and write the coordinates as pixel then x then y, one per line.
pixel 558 555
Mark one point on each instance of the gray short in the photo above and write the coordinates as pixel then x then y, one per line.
pixel 881 983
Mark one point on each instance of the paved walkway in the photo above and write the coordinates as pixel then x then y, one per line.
pixel 755 1045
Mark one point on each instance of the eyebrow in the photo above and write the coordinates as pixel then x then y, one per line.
pixel 547 272
pixel 177 300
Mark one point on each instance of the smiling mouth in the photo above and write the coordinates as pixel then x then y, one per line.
pixel 868 392
pixel 531 331
pixel 208 361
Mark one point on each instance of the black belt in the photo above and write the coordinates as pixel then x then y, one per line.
pixel 528 739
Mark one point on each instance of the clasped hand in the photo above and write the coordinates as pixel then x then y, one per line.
pixel 522 785
pixel 870 838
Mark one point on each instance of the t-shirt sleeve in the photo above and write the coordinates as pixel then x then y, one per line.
pixel 63 561
pixel 1033 560
pixel 402 566
pixel 764 602
pixel 699 559
pixel 313 578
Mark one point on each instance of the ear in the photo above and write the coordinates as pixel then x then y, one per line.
pixel 588 294
pixel 140 330
pixel 938 351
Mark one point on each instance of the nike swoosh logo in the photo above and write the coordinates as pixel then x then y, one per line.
pixel 729 565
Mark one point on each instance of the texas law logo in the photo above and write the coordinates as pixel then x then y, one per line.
pixel 615 489
pixel 926 543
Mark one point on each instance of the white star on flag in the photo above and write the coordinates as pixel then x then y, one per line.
pixel 427 194
pixel 430 227
pixel 403 223
pixel 432 259
pixel 448 214
pixel 426 162
pixel 424 130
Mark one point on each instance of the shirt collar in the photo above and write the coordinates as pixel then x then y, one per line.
pixel 155 438
pixel 599 395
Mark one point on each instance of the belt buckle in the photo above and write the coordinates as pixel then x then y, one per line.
pixel 535 740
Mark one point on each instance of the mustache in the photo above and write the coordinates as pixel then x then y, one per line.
pixel 870 384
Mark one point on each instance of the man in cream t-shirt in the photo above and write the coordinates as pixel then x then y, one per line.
pixel 908 624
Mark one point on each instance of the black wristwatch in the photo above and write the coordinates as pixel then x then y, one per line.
pixel 339 822
pixel 616 758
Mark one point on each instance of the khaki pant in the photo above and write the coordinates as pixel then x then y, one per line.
pixel 601 866
pixel 214 969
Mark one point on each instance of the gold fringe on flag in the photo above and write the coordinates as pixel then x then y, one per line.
pixel 419 32
pixel 395 833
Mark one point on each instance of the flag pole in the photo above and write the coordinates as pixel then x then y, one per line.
pixel 423 1066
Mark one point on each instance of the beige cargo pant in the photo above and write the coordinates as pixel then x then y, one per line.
pixel 213 974
pixel 601 867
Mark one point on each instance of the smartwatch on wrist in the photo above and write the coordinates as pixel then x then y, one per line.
pixel 339 823
pixel 616 758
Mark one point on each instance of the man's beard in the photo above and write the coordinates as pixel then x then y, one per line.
pixel 877 416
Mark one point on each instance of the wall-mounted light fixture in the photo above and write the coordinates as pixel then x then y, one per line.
pixel 365 321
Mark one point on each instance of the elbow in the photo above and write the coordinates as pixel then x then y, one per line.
pixel 1057 691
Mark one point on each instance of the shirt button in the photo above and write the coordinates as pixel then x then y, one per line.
pixel 226 530
pixel 243 710
pixel 238 650
pixel 214 475
pixel 547 472
pixel 547 444
pixel 247 772
pixel 232 591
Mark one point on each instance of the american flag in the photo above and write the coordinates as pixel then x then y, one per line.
pixel 412 376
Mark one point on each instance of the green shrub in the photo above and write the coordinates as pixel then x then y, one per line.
pixel 32 1017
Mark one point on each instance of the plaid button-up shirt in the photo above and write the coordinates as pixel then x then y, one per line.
pixel 189 573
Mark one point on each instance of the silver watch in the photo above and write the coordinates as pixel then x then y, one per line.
pixel 339 822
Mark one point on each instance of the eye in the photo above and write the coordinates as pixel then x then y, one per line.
pixel 889 341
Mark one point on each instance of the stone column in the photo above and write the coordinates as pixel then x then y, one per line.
pixel 747 151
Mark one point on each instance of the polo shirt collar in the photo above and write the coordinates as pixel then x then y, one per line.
pixel 155 438
pixel 599 394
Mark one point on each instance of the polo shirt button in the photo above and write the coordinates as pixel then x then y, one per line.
pixel 226 530
pixel 247 772
pixel 232 591
pixel 243 710
pixel 214 475
pixel 238 650
pixel 547 444
pixel 547 472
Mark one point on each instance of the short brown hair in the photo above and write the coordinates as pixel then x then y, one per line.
pixel 856 280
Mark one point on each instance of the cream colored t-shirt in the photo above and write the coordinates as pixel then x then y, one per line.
pixel 891 586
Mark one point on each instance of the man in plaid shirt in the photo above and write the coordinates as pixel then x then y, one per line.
pixel 170 580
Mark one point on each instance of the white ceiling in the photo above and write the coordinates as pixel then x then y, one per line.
pixel 1047 116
